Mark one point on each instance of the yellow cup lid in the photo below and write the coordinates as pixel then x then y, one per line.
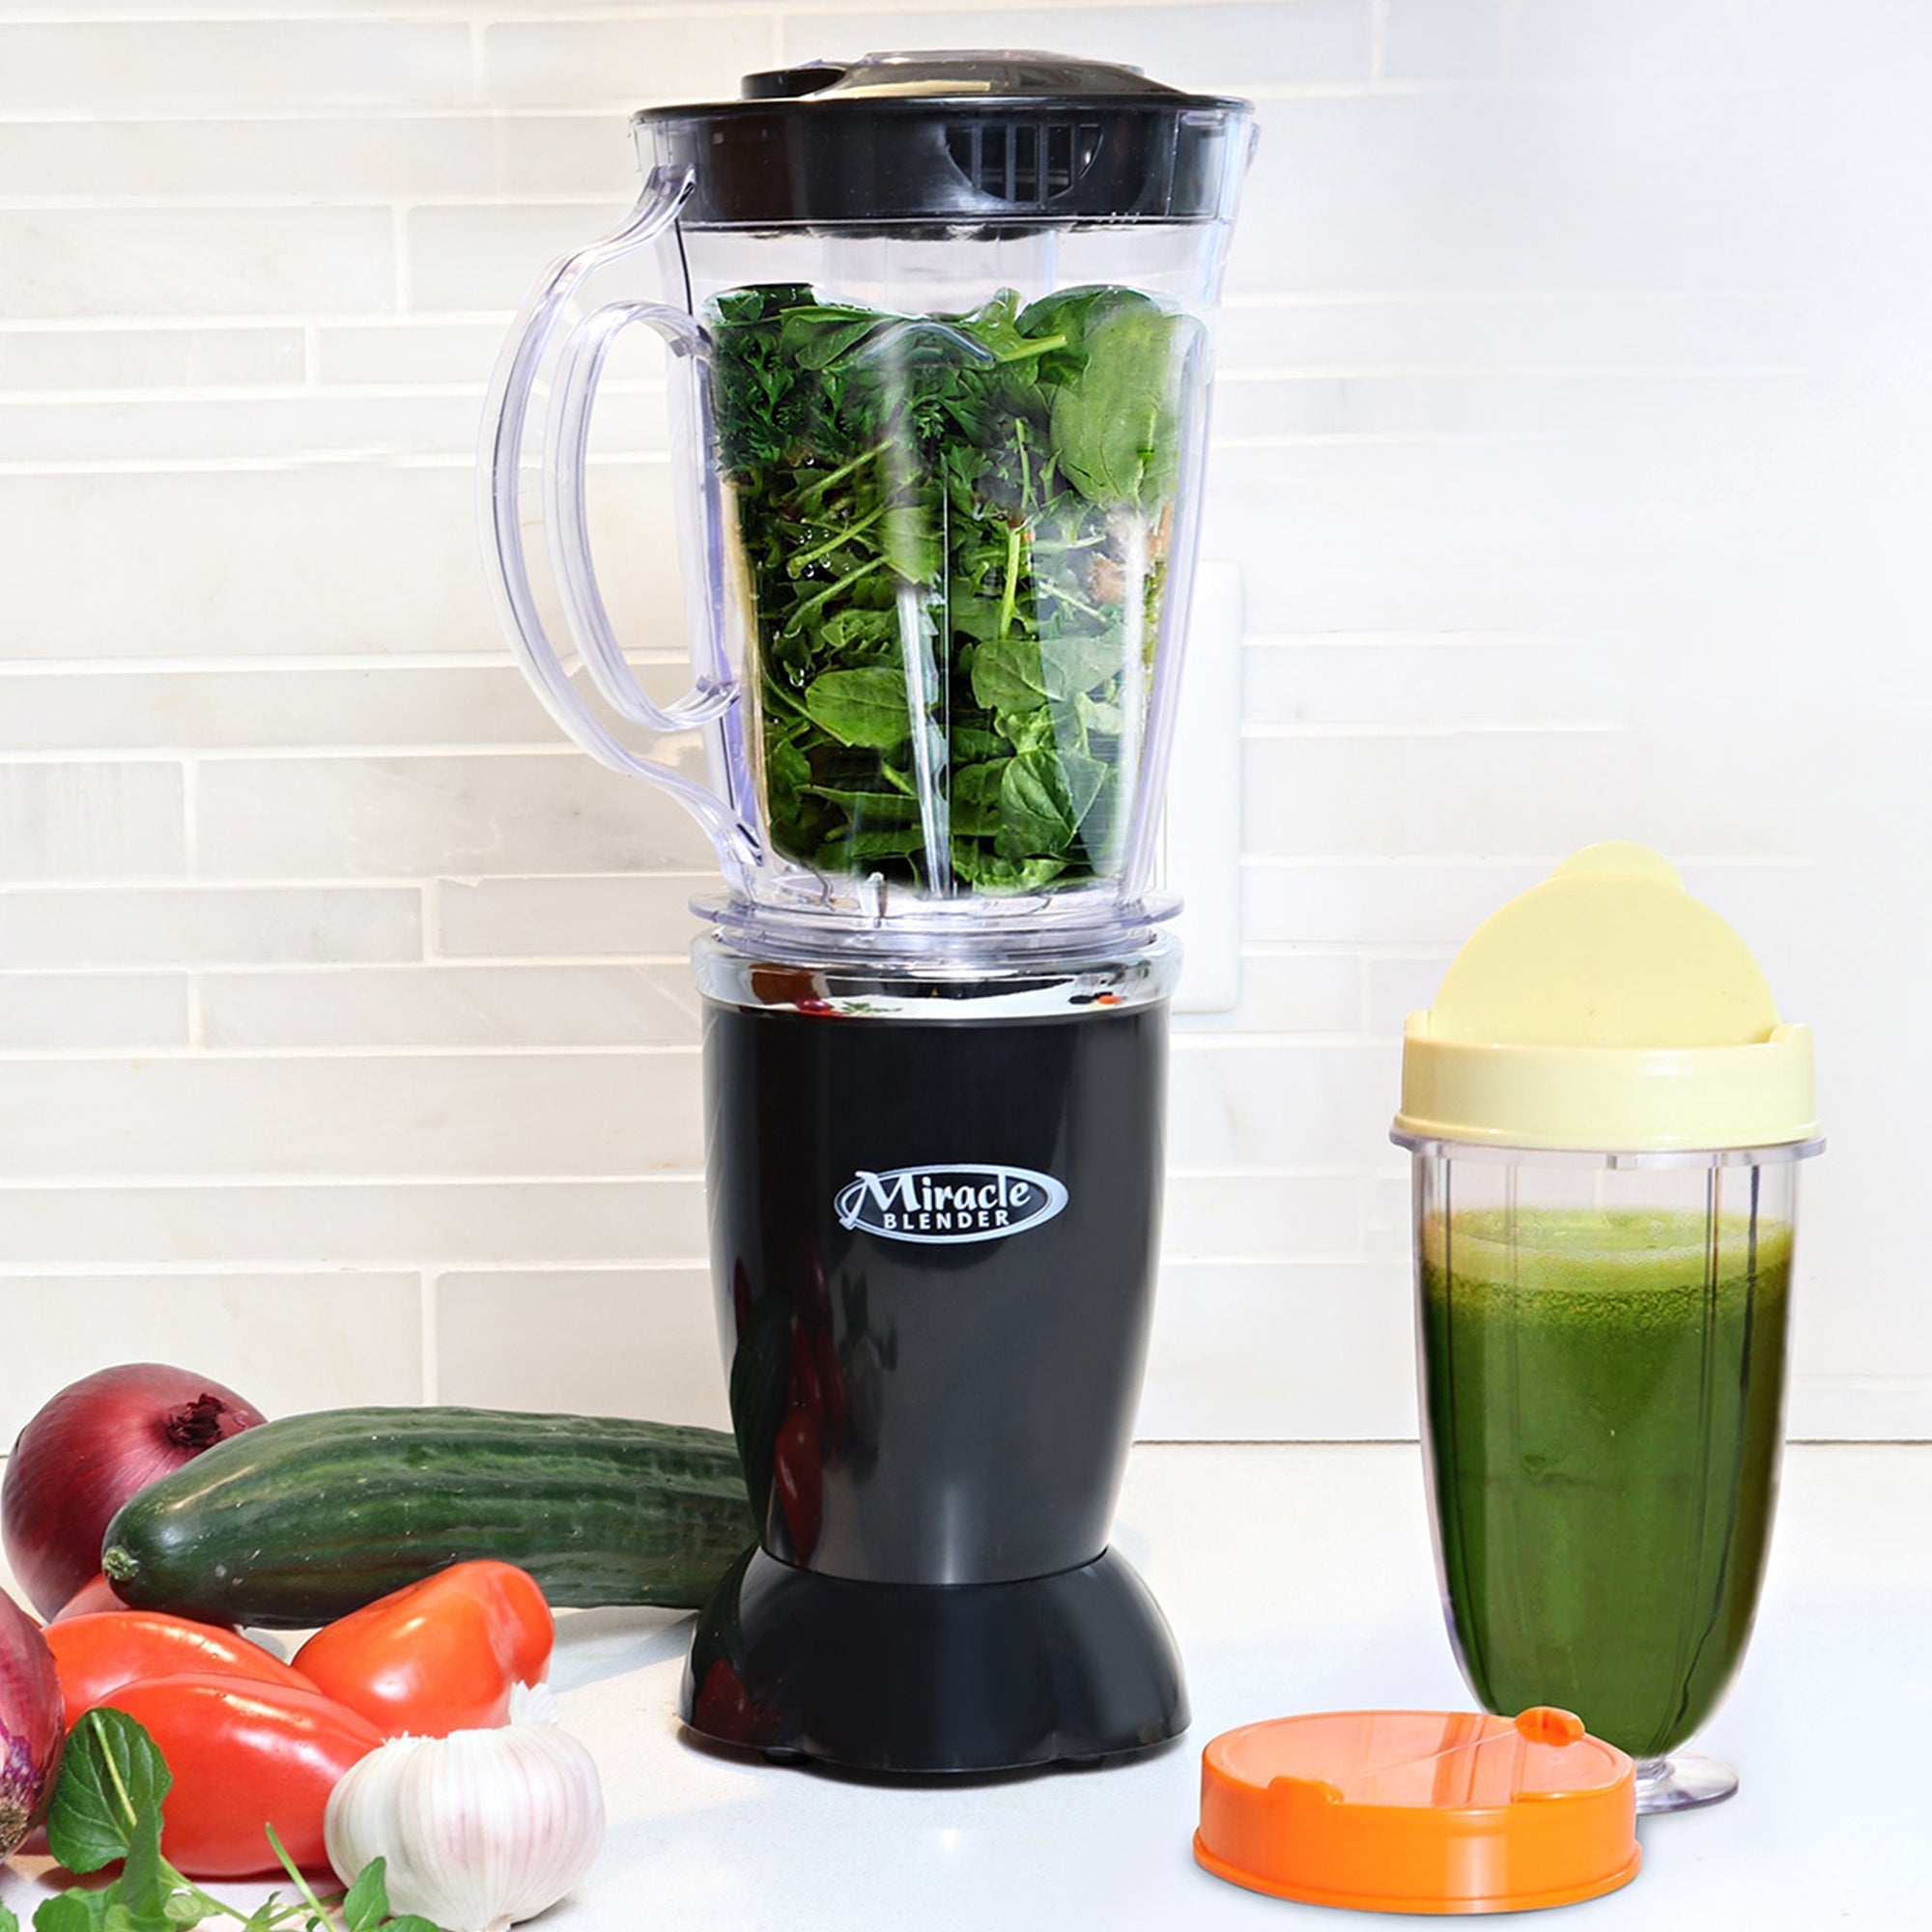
pixel 1606 1010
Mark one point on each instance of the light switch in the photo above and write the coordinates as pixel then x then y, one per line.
pixel 1202 842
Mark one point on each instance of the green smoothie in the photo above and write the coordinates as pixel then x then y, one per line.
pixel 1603 1395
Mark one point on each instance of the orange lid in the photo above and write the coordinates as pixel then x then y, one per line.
pixel 1419 1810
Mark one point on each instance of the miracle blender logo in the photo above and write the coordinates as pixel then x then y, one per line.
pixel 949 1204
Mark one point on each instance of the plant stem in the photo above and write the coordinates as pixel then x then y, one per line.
pixel 798 617
pixel 1033 348
pixel 301 1883
pixel 798 565
pixel 120 1789
pixel 843 470
pixel 1013 585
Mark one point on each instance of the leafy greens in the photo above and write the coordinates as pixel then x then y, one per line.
pixel 955 531
pixel 108 1805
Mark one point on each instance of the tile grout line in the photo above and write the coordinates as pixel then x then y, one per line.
pixel 431 1340
pixel 190 771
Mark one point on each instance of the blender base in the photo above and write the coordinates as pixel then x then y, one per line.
pixel 1682 1782
pixel 920 1677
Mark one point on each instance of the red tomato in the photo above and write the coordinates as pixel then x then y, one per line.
pixel 97 1655
pixel 438 1656
pixel 798 1480
pixel 245 1756
pixel 97 1595
pixel 88 1601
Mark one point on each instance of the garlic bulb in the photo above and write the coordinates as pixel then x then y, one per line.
pixel 481 1829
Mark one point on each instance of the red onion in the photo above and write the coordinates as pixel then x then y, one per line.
pixel 31 1731
pixel 95 1445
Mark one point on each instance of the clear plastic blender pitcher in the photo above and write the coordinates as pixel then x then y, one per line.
pixel 1606 1118
pixel 945 327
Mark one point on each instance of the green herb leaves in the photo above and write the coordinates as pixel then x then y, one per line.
pixel 112 1776
pixel 955 531
pixel 108 1805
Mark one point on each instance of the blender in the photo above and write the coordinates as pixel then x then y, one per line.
pixel 1606 1117
pixel 941 334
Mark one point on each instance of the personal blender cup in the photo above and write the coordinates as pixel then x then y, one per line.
pixel 1607 1117
pixel 942 331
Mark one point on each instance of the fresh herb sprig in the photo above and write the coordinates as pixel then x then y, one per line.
pixel 956 534
pixel 107 1806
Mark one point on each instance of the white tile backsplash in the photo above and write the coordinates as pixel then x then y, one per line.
pixel 1571 444
pixel 186 357
pixel 628 915
pixel 184 66
pixel 479 258
pixel 403 817
pixel 271 709
pixel 91 820
pixel 88 1012
pixel 116 261
pixel 452 1006
pixel 394 1225
pixel 619 63
pixel 448 1116
pixel 640 1341
pixel 286 1342
pixel 209 926
pixel 261 155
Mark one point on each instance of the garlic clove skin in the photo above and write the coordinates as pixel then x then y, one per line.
pixel 480 1830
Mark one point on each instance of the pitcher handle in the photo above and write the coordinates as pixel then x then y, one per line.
pixel 505 425
pixel 567 519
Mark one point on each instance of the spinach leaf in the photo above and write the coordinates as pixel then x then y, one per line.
pixel 861 708
pixel 1115 432
pixel 993 489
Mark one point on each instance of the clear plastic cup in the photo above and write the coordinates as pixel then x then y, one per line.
pixel 1602 1342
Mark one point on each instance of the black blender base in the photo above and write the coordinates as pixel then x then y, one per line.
pixel 915 1678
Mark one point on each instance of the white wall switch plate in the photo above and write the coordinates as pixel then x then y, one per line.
pixel 1202 842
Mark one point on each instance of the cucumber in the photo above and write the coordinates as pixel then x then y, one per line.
pixel 297 1521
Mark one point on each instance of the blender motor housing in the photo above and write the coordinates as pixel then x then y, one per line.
pixel 935 1212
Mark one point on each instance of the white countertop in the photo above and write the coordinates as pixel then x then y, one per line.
pixel 1296 1578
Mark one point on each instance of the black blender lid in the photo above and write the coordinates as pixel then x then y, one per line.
pixel 998 140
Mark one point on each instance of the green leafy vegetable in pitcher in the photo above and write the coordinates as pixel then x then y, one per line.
pixel 955 532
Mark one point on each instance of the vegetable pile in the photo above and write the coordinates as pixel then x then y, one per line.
pixel 409 1746
pixel 419 1760
pixel 956 534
